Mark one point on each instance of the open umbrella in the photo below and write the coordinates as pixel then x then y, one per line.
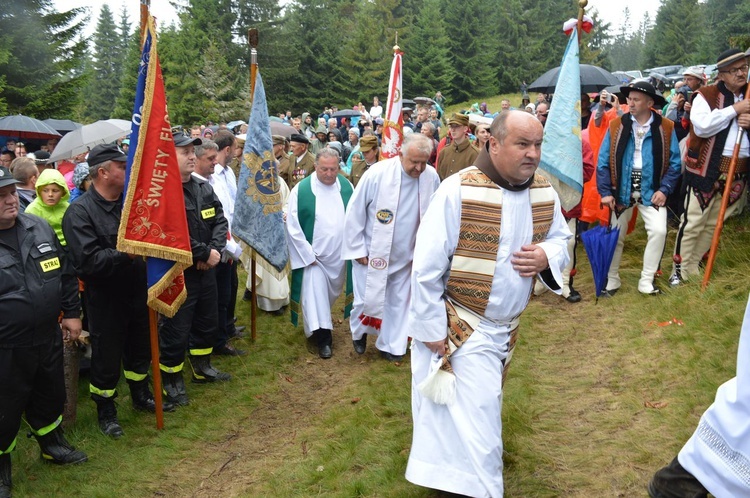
pixel 282 129
pixel 424 101
pixel 346 113
pixel 600 243
pixel 233 124
pixel 63 126
pixel 408 103
pixel 86 137
pixel 593 79
pixel 21 126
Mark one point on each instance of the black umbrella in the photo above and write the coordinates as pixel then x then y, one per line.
pixel 25 127
pixel 62 125
pixel 346 113
pixel 408 103
pixel 593 79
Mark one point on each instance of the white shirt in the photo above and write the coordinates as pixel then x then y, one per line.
pixel 707 123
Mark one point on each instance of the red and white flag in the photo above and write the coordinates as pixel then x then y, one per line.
pixel 393 128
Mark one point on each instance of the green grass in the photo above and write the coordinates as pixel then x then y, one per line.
pixel 576 420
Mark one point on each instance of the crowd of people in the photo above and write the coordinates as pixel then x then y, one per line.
pixel 443 244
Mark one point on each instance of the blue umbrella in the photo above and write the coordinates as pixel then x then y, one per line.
pixel 600 243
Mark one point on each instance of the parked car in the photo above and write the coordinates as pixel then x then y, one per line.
pixel 665 70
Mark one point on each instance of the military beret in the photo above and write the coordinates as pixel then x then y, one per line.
pixel 299 138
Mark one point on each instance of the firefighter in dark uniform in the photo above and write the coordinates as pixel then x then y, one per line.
pixel 195 326
pixel 36 285
pixel 116 290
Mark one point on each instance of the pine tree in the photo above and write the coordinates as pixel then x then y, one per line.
pixel 674 39
pixel 427 65
pixel 218 84
pixel 43 72
pixel 106 69
pixel 126 96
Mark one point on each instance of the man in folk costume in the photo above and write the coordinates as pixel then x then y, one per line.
pixel 716 459
pixel 379 235
pixel 718 112
pixel 488 232
pixel 639 163
pixel 315 216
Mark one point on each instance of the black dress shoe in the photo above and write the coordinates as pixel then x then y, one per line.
pixel 574 296
pixel 324 351
pixel 391 357
pixel 360 345
pixel 609 293
pixel 247 295
pixel 229 350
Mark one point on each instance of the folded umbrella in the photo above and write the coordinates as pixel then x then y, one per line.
pixel 600 243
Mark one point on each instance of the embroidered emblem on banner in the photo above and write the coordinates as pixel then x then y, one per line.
pixel 379 263
pixel 384 216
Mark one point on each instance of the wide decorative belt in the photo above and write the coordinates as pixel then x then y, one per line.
pixel 742 164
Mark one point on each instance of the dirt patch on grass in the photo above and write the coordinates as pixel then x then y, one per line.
pixel 267 436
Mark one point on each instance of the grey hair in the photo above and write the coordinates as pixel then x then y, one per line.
pixel 327 152
pixel 421 143
pixel 208 144
pixel 23 169
pixel 429 126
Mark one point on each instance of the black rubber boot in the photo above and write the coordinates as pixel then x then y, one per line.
pixel 173 387
pixel 107 414
pixel 56 449
pixel 325 341
pixel 673 481
pixel 143 400
pixel 204 372
pixel 5 476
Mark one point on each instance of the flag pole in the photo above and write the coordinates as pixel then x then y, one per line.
pixel 581 11
pixel 252 40
pixel 724 202
pixel 152 317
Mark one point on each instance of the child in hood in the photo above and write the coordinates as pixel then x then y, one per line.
pixel 51 201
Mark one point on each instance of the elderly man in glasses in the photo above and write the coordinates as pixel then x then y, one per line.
pixel 718 112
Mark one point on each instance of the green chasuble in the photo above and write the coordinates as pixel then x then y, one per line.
pixel 306 215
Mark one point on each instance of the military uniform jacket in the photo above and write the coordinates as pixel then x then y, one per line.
pixel 90 226
pixel 359 166
pixel 285 167
pixel 301 169
pixel 35 286
pixel 206 222
pixel 453 158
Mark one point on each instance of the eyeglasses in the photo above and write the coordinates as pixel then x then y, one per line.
pixel 736 70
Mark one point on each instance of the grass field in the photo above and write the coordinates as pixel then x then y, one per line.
pixel 599 396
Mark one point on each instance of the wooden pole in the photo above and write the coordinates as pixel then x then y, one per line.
pixel 724 203
pixel 581 11
pixel 252 40
pixel 152 318
pixel 155 370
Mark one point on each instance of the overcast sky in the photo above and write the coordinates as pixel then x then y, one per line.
pixel 609 10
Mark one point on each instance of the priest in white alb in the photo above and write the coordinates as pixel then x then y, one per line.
pixel 716 459
pixel 489 231
pixel 379 235
pixel 315 218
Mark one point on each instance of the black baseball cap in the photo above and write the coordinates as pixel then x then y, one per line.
pixel 183 140
pixel 6 178
pixel 106 152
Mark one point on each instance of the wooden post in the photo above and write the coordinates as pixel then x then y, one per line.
pixel 252 40
pixel 724 203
